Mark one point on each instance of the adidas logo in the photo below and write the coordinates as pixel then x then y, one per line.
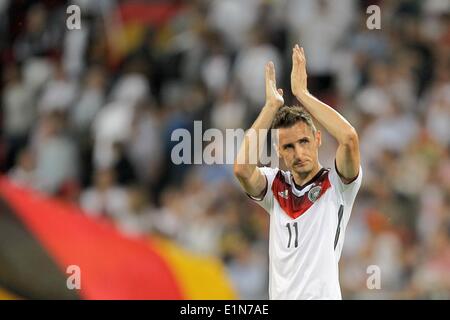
pixel 284 194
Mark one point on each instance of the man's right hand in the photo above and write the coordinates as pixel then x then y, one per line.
pixel 252 180
pixel 274 96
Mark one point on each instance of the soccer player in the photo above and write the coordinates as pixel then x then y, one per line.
pixel 309 205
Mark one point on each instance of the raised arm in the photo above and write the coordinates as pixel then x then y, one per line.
pixel 347 155
pixel 252 180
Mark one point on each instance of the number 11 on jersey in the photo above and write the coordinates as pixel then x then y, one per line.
pixel 295 228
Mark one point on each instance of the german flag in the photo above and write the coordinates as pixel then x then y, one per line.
pixel 44 243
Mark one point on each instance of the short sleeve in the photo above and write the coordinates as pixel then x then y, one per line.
pixel 348 191
pixel 266 200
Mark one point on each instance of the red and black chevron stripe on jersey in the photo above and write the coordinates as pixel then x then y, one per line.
pixel 293 205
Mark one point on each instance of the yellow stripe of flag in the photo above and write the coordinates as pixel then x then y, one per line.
pixel 200 277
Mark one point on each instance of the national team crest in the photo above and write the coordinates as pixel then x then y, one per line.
pixel 314 193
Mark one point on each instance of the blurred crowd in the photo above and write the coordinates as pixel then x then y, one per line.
pixel 87 116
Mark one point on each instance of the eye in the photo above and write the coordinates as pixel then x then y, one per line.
pixel 304 141
pixel 288 146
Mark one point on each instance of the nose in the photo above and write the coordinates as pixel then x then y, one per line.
pixel 299 151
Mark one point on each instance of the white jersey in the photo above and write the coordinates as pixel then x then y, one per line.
pixel 307 228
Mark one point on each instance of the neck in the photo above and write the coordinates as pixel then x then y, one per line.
pixel 301 179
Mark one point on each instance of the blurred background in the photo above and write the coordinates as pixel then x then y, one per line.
pixel 86 117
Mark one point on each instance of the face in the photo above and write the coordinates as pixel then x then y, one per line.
pixel 299 148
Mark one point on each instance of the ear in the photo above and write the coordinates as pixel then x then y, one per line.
pixel 318 138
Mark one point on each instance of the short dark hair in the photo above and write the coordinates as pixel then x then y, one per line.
pixel 287 116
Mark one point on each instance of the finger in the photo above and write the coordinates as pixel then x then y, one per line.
pixel 298 58
pixel 298 50
pixel 299 55
pixel 294 57
pixel 267 74
pixel 272 73
pixel 273 87
pixel 280 91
